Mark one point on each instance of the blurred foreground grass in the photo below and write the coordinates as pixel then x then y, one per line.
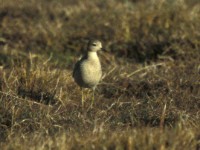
pixel 149 97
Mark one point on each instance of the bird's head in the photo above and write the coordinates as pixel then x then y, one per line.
pixel 94 46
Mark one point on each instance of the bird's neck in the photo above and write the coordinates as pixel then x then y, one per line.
pixel 92 55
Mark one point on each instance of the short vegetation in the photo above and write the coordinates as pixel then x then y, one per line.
pixel 149 96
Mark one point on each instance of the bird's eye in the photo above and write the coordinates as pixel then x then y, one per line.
pixel 94 44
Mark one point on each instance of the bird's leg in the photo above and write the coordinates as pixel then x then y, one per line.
pixel 82 97
pixel 93 91
pixel 87 92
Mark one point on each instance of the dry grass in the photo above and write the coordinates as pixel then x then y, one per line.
pixel 149 97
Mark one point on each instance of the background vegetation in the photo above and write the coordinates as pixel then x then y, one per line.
pixel 149 97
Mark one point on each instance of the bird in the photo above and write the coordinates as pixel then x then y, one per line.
pixel 87 71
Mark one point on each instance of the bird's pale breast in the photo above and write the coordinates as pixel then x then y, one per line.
pixel 91 72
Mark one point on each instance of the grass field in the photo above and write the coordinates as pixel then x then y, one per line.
pixel 149 97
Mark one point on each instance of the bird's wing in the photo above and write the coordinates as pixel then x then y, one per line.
pixel 77 65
